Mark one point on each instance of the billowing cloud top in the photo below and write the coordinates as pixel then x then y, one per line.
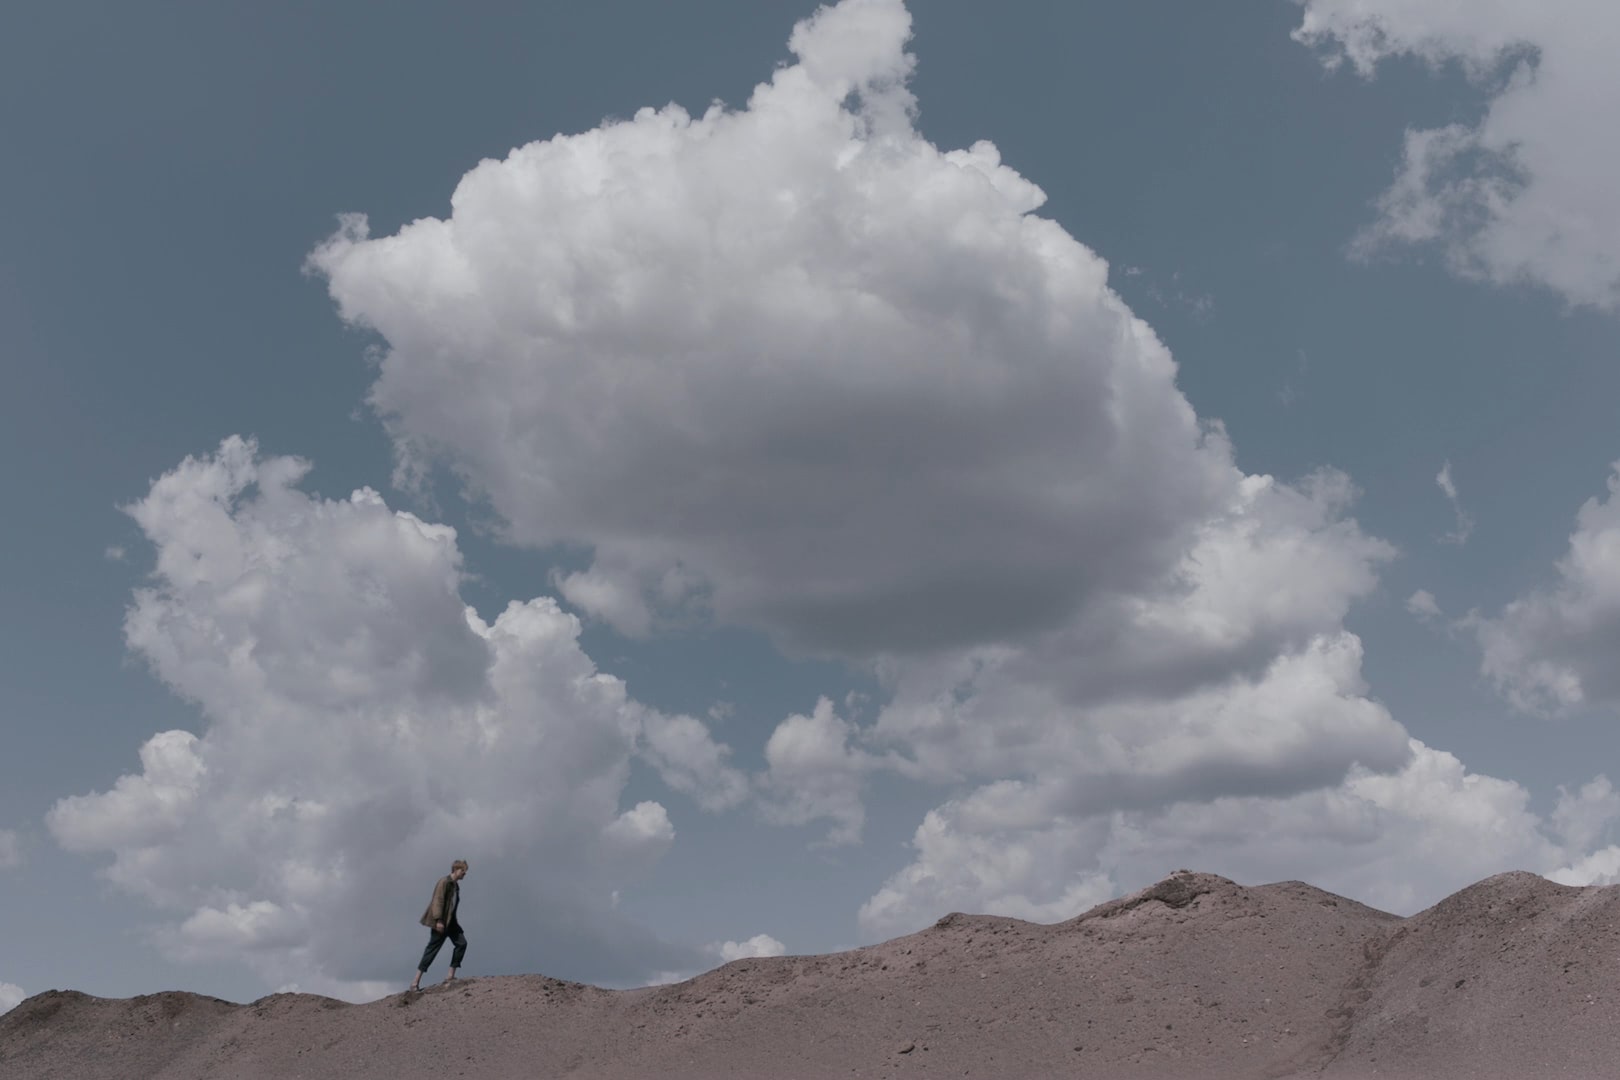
pixel 796 366
pixel 791 363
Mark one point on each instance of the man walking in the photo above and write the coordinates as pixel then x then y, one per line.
pixel 440 919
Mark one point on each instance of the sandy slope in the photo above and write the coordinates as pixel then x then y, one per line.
pixel 1193 977
pixel 1514 976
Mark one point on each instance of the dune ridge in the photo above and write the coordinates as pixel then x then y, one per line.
pixel 1194 976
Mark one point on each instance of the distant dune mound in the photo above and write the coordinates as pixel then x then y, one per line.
pixel 1192 977
pixel 1512 976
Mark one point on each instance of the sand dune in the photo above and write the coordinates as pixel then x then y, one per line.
pixel 1193 977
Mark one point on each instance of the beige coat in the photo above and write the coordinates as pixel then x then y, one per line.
pixel 442 908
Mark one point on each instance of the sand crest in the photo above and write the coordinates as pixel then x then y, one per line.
pixel 1193 977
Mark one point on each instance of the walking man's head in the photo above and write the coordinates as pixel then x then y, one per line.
pixel 458 869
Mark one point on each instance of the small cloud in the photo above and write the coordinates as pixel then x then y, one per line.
pixel 1444 480
pixel 1550 650
pixel 11 995
pixel 646 825
pixel 758 945
pixel 601 594
pixel 1422 604
pixel 10 850
pixel 814 773
pixel 1465 524
pixel 665 978
pixel 114 553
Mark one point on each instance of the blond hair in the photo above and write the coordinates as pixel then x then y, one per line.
pixel 459 864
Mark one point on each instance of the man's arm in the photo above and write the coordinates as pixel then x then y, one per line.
pixel 436 909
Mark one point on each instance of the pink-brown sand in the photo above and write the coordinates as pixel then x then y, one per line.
pixel 1194 977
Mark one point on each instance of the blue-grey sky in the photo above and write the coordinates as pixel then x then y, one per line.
pixel 938 457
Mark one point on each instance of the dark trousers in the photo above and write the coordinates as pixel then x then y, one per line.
pixel 436 941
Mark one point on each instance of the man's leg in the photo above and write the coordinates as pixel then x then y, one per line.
pixel 435 943
pixel 459 940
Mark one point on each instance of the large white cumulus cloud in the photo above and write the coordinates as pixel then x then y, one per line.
pixel 1529 192
pixel 792 364
pixel 363 727
pixel 796 368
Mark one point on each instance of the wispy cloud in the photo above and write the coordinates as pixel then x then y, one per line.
pixel 1171 294
pixel 1529 192
pixel 1465 523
